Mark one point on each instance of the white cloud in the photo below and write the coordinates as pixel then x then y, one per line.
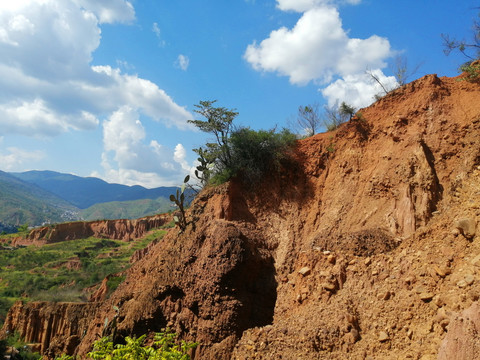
pixel 47 85
pixel 15 158
pixel 304 5
pixel 180 156
pixel 37 118
pixel 182 62
pixel 134 160
pixel 358 89
pixel 156 29
pixel 109 11
pixel 317 48
pixel 117 88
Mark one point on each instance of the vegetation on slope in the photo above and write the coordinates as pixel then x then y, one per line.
pixel 126 209
pixel 38 273
pixel 22 202
pixel 237 152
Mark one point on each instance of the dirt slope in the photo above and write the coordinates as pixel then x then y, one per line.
pixel 366 247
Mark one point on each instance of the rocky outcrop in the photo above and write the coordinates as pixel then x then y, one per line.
pixel 123 229
pixel 55 328
pixel 461 341
pixel 358 249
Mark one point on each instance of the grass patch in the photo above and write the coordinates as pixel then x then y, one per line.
pixel 60 271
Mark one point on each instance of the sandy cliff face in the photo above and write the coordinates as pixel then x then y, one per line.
pixel 366 247
pixel 123 229
pixel 53 328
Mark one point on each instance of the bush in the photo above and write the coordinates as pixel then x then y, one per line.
pixel 22 351
pixel 242 152
pixel 256 153
pixel 164 347
pixel 471 70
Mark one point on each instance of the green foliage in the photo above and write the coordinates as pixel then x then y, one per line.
pixel 163 348
pixel 471 70
pixel 346 110
pixel 337 115
pixel 23 351
pixel 179 200
pixel 23 228
pixel 256 153
pixel 39 273
pixel 219 122
pixel 242 152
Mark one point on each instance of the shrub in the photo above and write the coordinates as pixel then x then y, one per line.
pixel 337 115
pixel 242 152
pixel 471 70
pixel 23 352
pixel 256 153
pixel 164 347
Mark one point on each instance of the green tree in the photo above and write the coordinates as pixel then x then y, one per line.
pixel 346 110
pixel 243 152
pixel 23 228
pixel 219 122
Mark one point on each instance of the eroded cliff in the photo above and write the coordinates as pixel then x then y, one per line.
pixel 123 229
pixel 366 246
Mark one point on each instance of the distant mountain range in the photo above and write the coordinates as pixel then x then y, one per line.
pixel 84 192
pixel 37 197
pixel 22 202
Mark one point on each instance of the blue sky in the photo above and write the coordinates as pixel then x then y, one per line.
pixel 105 88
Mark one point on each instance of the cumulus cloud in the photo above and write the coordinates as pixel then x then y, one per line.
pixel 358 90
pixel 317 48
pixel 48 85
pixel 129 159
pixel 15 157
pixel 109 11
pixel 182 62
pixel 304 5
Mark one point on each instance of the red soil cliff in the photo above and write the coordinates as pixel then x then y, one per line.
pixel 365 247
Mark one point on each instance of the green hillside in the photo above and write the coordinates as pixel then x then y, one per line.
pixel 22 202
pixel 61 271
pixel 126 209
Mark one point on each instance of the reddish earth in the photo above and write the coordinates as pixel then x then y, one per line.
pixel 365 247
pixel 123 229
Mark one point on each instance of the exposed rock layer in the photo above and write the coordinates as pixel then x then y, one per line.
pixel 56 327
pixel 123 229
